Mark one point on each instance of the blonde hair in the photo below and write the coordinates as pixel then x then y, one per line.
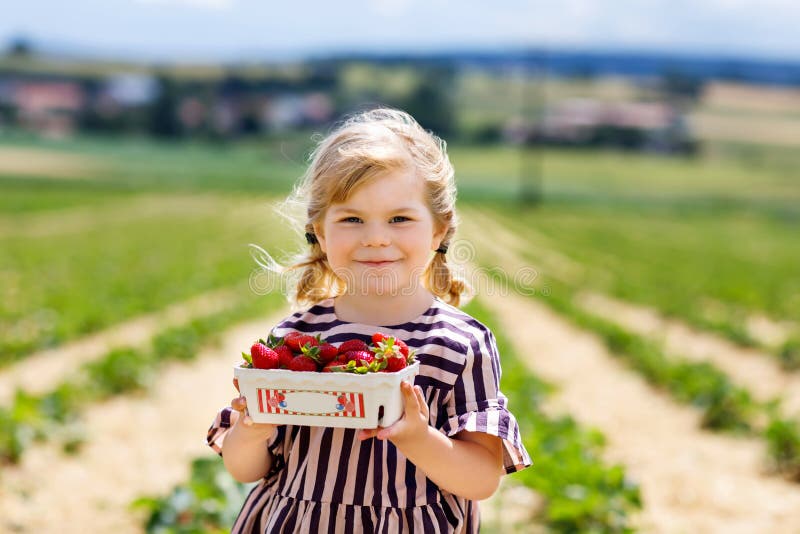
pixel 360 148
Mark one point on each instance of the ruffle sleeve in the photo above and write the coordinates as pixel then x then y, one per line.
pixel 477 404
pixel 223 422
pixel 219 428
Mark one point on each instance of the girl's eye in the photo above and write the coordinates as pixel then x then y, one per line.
pixel 395 219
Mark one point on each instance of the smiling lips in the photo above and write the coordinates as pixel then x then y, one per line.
pixel 377 263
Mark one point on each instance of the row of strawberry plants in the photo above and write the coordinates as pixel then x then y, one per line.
pixel 57 413
pixel 636 246
pixel 725 406
pixel 581 493
pixel 58 287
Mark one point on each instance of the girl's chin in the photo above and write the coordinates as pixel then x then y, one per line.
pixel 382 288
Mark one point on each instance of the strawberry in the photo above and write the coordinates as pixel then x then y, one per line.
pixel 264 357
pixel 401 345
pixel 290 340
pixel 297 340
pixel 395 363
pixel 361 357
pixel 364 357
pixel 307 340
pixel 285 355
pixel 333 366
pixel 327 352
pixel 377 337
pixel 352 344
pixel 302 362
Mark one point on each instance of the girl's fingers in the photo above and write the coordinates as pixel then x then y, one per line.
pixel 247 421
pixel 239 404
pixel 411 401
pixel 367 433
pixel 423 406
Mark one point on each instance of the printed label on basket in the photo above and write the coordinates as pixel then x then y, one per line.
pixel 307 402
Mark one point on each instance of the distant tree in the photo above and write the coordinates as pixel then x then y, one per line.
pixel 20 47
pixel 681 86
pixel 431 102
pixel 163 116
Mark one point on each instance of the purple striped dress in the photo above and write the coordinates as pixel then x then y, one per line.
pixel 325 480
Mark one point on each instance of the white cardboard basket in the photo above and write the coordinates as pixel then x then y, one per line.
pixel 284 397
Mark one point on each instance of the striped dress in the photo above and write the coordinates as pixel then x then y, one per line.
pixel 325 480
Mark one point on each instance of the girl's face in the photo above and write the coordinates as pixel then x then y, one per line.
pixel 379 240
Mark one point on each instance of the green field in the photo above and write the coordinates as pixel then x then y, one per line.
pixel 711 241
pixel 707 239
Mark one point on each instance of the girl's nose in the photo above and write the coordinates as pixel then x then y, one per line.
pixel 375 236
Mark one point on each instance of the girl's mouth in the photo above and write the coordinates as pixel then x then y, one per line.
pixel 377 263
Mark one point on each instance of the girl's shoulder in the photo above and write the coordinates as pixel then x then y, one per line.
pixel 458 321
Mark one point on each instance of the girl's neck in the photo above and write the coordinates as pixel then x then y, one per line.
pixel 382 310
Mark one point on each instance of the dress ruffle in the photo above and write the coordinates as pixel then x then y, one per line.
pixel 495 420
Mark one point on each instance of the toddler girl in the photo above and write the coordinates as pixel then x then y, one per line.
pixel 380 201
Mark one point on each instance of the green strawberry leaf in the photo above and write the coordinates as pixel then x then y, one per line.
pixel 247 358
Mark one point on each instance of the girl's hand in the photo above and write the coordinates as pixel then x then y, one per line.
pixel 413 424
pixel 239 404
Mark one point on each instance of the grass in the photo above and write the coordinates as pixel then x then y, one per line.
pixel 123 370
pixel 713 269
pixel 61 286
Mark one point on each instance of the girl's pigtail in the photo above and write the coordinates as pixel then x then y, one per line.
pixel 316 280
pixel 444 283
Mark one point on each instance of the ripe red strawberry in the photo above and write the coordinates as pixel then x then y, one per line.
pixel 395 363
pixel 264 357
pixel 307 340
pixel 285 355
pixel 361 357
pixel 327 352
pixel 296 340
pixel 333 366
pixel 302 363
pixel 377 337
pixel 352 344
pixel 290 340
pixel 401 345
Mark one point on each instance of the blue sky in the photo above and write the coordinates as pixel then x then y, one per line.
pixel 231 29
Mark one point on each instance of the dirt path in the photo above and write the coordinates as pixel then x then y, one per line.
pixel 92 490
pixel 137 207
pixel 135 446
pixel 43 162
pixel 692 481
pixel 43 370
pixel 754 370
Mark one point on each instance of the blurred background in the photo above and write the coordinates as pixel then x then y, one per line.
pixel 641 160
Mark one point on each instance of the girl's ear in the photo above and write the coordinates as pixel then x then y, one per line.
pixel 438 235
pixel 320 237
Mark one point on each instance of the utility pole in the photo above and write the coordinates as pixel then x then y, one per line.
pixel 533 101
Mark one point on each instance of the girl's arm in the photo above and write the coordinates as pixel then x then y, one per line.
pixel 470 466
pixel 244 450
